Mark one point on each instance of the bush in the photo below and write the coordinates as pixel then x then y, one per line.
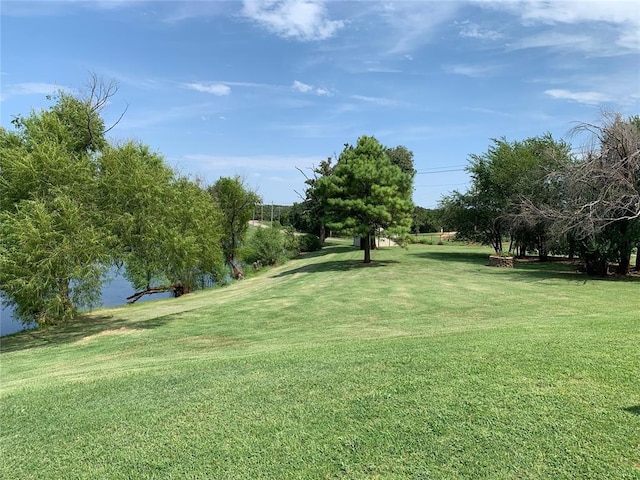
pixel 309 243
pixel 266 245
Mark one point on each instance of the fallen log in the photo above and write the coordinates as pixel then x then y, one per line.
pixel 150 291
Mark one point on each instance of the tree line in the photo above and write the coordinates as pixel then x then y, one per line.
pixel 74 205
pixel 545 199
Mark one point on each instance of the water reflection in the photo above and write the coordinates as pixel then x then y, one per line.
pixel 114 293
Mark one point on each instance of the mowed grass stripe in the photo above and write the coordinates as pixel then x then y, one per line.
pixel 427 364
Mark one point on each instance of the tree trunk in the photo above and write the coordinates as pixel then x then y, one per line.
pixel 543 253
pixel 63 289
pixel 236 271
pixel 638 257
pixel 572 247
pixel 367 248
pixel 624 262
pixel 596 265
pixel 323 234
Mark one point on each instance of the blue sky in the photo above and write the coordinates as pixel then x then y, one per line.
pixel 258 88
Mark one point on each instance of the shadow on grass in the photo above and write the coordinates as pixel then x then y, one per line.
pixel 75 330
pixel 335 266
pixel 455 256
pixel 527 270
pixel 329 249
pixel 634 410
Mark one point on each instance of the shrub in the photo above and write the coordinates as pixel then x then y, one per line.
pixel 309 243
pixel 266 245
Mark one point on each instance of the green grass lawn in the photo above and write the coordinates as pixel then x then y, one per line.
pixel 424 364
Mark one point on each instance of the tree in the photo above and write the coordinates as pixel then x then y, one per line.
pixel 402 157
pixel 54 246
pixel 426 220
pixel 490 209
pixel 366 192
pixel 598 199
pixel 311 212
pixel 166 228
pixel 236 203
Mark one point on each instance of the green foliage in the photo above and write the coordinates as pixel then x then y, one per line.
pixel 237 204
pixel 309 243
pixel 427 220
pixel 402 157
pixel 269 246
pixel 54 244
pixel 366 192
pixel 167 228
pixel 71 205
pixel 310 215
pixel 50 259
pixel 501 178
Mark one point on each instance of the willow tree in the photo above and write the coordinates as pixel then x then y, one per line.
pixel 53 249
pixel 367 192
pixel 165 229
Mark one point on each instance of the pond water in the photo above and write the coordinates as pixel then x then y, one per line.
pixel 114 293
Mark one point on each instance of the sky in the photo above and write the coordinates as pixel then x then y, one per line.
pixel 267 89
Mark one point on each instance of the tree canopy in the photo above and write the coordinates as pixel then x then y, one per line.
pixel 366 192
pixel 72 205
pixel 236 203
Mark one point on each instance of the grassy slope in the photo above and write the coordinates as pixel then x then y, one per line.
pixel 427 364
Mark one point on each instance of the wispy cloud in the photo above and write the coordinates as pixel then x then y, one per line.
pixel 30 88
pixel 147 118
pixel 306 88
pixel 474 71
pixel 623 18
pixel 217 89
pixel 304 20
pixel 410 25
pixel 468 29
pixel 381 101
pixel 589 98
pixel 555 40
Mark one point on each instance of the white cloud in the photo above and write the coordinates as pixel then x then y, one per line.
pixel 301 19
pixel 623 16
pixel 410 25
pixel 474 71
pixel 301 87
pixel 217 89
pixel 589 98
pixel 383 102
pixel 555 39
pixel 306 88
pixel 472 30
pixel 29 88
pixel 580 11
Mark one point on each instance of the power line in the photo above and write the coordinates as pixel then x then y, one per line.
pixel 455 168
pixel 441 185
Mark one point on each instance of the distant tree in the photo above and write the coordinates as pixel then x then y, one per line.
pixel 402 157
pixel 236 203
pixel 500 178
pixel 366 192
pixel 598 199
pixel 426 220
pixel 311 212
